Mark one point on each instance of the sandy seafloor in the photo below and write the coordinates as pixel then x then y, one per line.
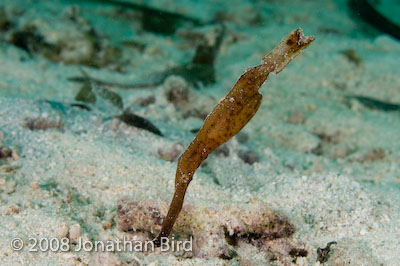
pixel 328 163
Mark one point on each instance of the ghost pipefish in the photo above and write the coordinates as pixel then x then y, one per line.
pixel 229 116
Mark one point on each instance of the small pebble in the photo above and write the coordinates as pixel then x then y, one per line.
pixel 170 153
pixel 42 123
pixel 242 137
pixel 12 209
pixel 312 107
pixel 74 233
pixel 249 157
pixel 296 117
pixel 222 150
pixel 5 152
pixel 35 185
pixel 106 225
pixel 177 91
pixel 373 155
pixel 8 168
pixel 338 152
pixel 62 230
pixel 146 101
pixel 10 187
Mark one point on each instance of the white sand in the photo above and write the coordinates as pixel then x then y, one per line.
pixel 77 174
